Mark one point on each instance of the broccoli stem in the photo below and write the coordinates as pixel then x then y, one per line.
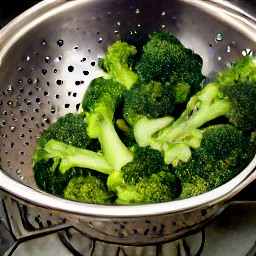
pixel 176 139
pixel 145 129
pixel 201 108
pixel 76 157
pixel 114 150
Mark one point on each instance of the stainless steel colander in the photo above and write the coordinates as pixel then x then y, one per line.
pixel 48 55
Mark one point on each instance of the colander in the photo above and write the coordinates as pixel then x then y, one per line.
pixel 48 55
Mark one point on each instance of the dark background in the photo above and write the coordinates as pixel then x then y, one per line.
pixel 9 9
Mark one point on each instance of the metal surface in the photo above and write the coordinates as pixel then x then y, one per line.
pixel 37 87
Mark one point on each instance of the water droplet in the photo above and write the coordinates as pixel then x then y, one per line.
pixel 246 52
pixel 219 58
pixel 60 42
pixel 218 37
pixel 137 11
pixel 28 58
pixel 12 128
pixel 228 49
pixel 118 23
pixel 163 13
pixel 100 40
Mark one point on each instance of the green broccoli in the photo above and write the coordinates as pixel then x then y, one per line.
pixel 146 175
pixel 220 157
pixel 116 63
pixel 71 131
pixel 99 104
pixel 232 100
pixel 146 179
pixel 148 99
pixel 88 189
pixel 165 59
pixel 147 108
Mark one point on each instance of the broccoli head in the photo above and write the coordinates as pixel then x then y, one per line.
pixel 88 189
pixel 238 84
pixel 70 130
pixel 220 157
pixel 146 179
pixel 148 99
pixel 234 100
pixel 98 105
pixel 165 59
pixel 117 63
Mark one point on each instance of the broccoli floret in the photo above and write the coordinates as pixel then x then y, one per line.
pixel 147 108
pixel 99 104
pixel 148 99
pixel 88 189
pixel 116 63
pixel 70 130
pixel 159 187
pixel 233 100
pixel 238 84
pixel 146 179
pixel 147 176
pixel 220 157
pixel 165 59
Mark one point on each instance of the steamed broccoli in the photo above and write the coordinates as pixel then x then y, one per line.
pixel 89 189
pixel 165 59
pixel 70 130
pixel 234 100
pixel 220 157
pixel 162 86
pixel 147 176
pixel 99 104
pixel 146 179
pixel 116 63
pixel 148 99
pixel 147 132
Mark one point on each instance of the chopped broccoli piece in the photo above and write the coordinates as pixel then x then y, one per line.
pixel 148 99
pixel 146 179
pixel 238 84
pixel 220 157
pixel 116 63
pixel 99 103
pixel 232 100
pixel 165 59
pixel 71 130
pixel 88 189
pixel 159 187
pixel 147 108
